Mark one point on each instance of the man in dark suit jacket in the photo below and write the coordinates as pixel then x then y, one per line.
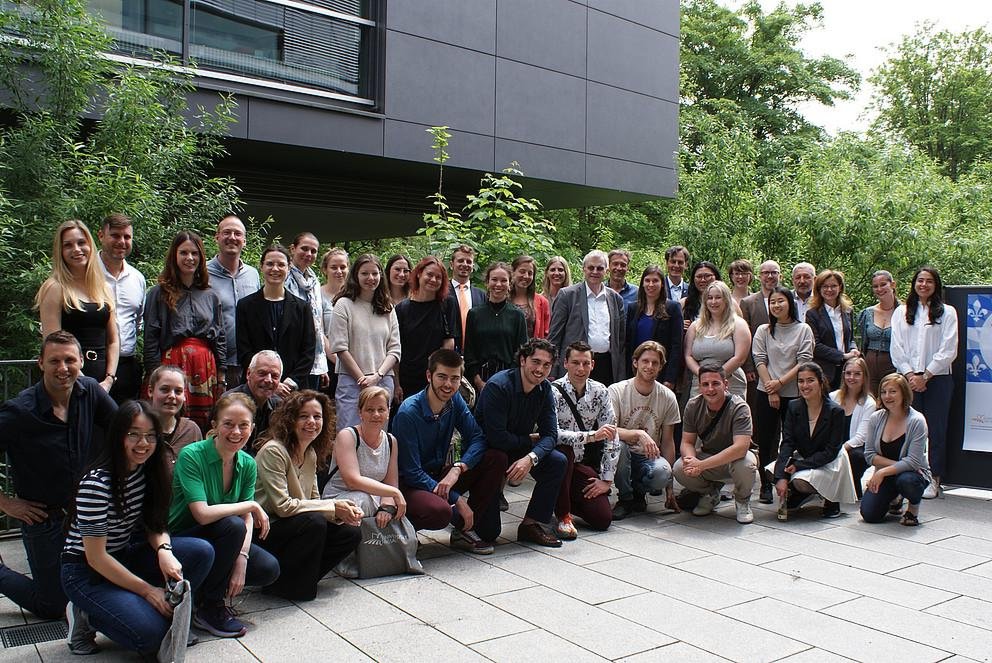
pixel 605 332
pixel 461 292
pixel 754 308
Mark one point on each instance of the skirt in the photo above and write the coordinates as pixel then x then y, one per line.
pixel 831 481
pixel 196 358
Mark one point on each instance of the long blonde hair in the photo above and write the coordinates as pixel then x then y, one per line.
pixel 94 284
pixel 726 325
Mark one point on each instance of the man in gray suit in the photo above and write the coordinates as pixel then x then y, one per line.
pixel 594 314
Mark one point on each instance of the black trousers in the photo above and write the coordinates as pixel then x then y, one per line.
pixel 307 547
pixel 603 370
pixel 128 382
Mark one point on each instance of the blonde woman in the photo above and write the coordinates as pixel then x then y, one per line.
pixel 557 275
pixel 75 299
pixel 719 336
pixel 856 399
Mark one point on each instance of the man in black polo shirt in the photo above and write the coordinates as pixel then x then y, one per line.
pixel 47 432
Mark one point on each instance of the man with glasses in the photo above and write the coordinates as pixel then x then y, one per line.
pixel 754 308
pixel 594 314
pixel 437 468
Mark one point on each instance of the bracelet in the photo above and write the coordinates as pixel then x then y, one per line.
pixel 388 508
pixel 164 546
pixel 243 554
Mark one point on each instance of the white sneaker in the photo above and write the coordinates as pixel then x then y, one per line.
pixel 932 491
pixel 744 515
pixel 707 503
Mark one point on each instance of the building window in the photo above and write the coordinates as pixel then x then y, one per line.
pixel 320 44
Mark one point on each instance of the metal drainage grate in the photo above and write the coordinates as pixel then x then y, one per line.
pixel 31 634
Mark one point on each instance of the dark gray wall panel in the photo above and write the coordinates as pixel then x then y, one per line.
pixel 437 84
pixel 549 34
pixel 632 57
pixel 541 162
pixel 299 125
pixel 468 23
pixel 540 106
pixel 631 126
pixel 626 176
pixel 209 100
pixel 405 140
pixel 660 15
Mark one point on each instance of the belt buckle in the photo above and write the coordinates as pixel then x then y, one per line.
pixel 91 355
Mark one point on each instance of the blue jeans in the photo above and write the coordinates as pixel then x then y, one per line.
pixel 909 484
pixel 41 594
pixel 123 616
pixel 346 399
pixel 639 475
pixel 226 536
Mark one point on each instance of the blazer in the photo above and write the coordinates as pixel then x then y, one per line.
pixel 297 336
pixel 825 352
pixel 667 332
pixel 817 449
pixel 570 323
pixel 454 312
pixel 755 313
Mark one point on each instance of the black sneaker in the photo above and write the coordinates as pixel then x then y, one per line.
pixel 622 509
pixel 469 541
pixel 219 620
pixel 830 509
pixel 797 500
pixel 765 494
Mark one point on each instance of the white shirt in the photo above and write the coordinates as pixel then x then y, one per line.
pixel 677 291
pixel 801 306
pixel 836 316
pixel 924 346
pixel 599 320
pixel 128 291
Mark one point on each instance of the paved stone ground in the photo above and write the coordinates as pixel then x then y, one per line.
pixel 656 587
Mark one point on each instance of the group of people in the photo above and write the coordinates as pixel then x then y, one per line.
pixel 281 415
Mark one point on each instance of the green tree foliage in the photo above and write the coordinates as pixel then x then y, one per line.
pixel 141 157
pixel 935 92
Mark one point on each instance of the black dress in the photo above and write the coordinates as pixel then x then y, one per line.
pixel 423 328
pixel 89 326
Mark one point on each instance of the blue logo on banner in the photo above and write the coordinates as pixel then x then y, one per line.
pixel 978 356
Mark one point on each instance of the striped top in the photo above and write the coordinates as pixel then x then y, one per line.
pixel 96 514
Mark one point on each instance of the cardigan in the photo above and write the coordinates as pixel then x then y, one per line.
pixel 913 455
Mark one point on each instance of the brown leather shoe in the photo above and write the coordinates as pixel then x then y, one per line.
pixel 534 533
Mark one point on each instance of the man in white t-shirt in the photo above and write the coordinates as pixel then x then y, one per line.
pixel 647 412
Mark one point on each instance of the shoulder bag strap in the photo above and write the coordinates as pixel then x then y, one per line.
pixel 571 406
pixel 716 420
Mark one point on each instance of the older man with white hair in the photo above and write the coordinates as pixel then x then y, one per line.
pixel 261 383
pixel 594 314
pixel 803 275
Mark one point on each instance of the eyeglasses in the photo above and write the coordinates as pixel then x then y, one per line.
pixel 595 268
pixel 134 437
pixel 766 272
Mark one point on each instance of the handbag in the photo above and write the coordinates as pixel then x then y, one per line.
pixel 391 550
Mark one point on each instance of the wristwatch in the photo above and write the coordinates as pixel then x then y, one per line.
pixel 164 546
pixel 533 458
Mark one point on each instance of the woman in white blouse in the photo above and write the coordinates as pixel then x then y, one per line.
pixel 855 397
pixel 924 344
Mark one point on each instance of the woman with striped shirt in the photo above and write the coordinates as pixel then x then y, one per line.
pixel 118 554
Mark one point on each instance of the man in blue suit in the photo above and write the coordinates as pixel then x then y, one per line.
pixel 462 295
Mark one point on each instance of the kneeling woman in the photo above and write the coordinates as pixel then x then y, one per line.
pixel 109 573
pixel 810 459
pixel 308 535
pixel 896 446
pixel 213 491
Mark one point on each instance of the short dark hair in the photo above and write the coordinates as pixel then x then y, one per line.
pixel 61 337
pixel 444 357
pixel 712 367
pixel 672 250
pixel 116 220
pixel 578 346
pixel 533 345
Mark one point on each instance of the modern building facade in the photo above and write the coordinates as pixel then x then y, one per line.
pixel 335 97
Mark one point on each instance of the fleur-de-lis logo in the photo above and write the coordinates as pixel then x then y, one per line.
pixel 976 366
pixel 977 312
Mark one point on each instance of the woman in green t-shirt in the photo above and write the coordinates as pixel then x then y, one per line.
pixel 213 490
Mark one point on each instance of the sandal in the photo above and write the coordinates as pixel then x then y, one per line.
pixel 909 519
pixel 895 508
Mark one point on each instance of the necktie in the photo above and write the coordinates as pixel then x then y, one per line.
pixel 464 304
